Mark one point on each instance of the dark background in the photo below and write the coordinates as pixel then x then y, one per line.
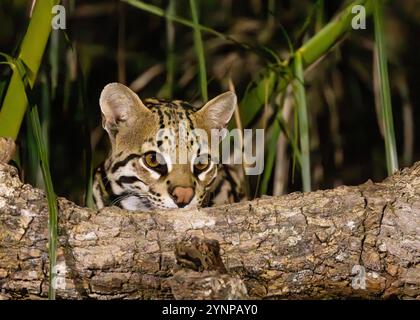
pixel 346 143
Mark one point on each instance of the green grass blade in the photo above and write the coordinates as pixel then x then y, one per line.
pixel 300 98
pixel 31 160
pixel 83 110
pixel 296 142
pixel 37 134
pixel 161 13
pixel 253 100
pixel 273 134
pixel 385 92
pixel 167 90
pixel 198 43
pixel 278 127
pixel 54 51
pixel 31 52
pixel 83 105
pixel 45 107
pixel 319 18
pixel 51 198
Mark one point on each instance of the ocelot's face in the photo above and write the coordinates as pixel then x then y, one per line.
pixel 161 156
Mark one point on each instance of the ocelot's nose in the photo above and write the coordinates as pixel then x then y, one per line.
pixel 182 195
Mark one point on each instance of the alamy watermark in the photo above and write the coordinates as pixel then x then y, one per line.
pixel 359 279
pixel 58 21
pixel 221 146
pixel 359 20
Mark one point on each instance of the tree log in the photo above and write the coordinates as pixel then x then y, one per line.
pixel 349 242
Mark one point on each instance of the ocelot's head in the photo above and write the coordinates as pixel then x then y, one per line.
pixel 161 155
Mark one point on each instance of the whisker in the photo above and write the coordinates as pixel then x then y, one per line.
pixel 121 198
pixel 130 194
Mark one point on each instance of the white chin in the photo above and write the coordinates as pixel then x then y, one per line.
pixel 134 204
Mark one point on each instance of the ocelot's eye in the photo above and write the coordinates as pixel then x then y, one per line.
pixel 201 163
pixel 155 161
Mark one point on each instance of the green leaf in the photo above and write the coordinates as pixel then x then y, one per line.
pixel 300 99
pixel 254 99
pixel 199 49
pixel 51 198
pixel 385 92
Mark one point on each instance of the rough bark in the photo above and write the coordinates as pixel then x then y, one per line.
pixel 349 242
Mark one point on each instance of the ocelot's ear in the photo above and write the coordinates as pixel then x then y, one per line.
pixel 217 112
pixel 118 105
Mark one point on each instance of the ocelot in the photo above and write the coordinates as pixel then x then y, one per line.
pixel 141 172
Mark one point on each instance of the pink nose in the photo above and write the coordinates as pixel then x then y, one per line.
pixel 182 195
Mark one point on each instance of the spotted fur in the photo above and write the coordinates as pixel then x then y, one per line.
pixel 168 128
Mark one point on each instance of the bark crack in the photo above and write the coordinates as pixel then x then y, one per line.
pixel 363 224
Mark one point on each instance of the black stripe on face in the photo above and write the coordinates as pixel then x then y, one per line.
pixel 188 115
pixel 212 180
pixel 127 179
pixel 101 171
pixel 106 183
pixel 122 163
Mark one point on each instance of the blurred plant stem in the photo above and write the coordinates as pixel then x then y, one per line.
pixel 30 54
pixel 121 44
pixel 199 48
pixel 385 92
pixel 167 90
pixel 51 198
pixel 300 102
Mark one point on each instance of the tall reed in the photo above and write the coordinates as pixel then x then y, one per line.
pixel 199 48
pixel 385 92
pixel 302 111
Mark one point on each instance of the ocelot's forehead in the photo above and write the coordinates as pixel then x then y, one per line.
pixel 175 126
